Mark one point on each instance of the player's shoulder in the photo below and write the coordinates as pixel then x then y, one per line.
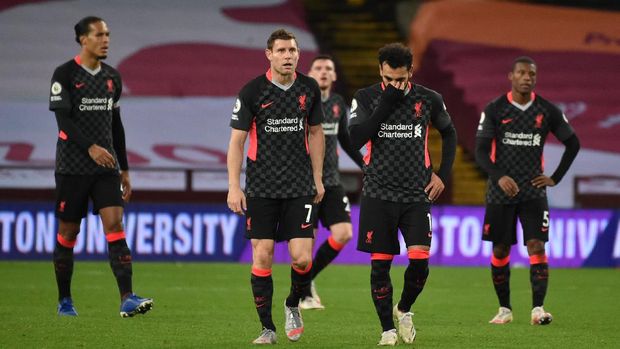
pixel 497 103
pixel 369 91
pixel 337 98
pixel 110 69
pixel 306 80
pixel 253 87
pixel 66 68
pixel 423 90
pixel 548 104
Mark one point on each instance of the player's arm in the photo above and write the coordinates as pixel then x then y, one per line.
pixel 316 142
pixel 443 123
pixel 234 159
pixel 345 143
pixel 363 125
pixel 316 146
pixel 484 140
pixel 241 121
pixel 118 142
pixel 563 132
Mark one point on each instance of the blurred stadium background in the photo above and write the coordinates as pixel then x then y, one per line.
pixel 183 62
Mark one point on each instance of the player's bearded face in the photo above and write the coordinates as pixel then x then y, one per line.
pixel 523 78
pixel 97 41
pixel 323 72
pixel 391 76
pixel 283 56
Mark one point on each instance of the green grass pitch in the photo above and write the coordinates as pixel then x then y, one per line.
pixel 209 305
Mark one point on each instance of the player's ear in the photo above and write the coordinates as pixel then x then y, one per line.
pixel 268 54
pixel 510 75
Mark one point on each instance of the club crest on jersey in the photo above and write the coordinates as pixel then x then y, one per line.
pixel 539 120
pixel 418 109
pixel 302 102
pixel 369 236
pixel 336 111
pixel 110 85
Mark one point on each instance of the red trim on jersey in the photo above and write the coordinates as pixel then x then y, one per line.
pixel 417 253
pixel 334 244
pixel 78 59
pixel 493 150
pixel 510 99
pixel 62 135
pixel 542 162
pixel 427 156
pixel 261 272
pixel 269 75
pixel 500 262
pixel 381 257
pixel 368 152
pixel 538 259
pixel 253 141
pixel 111 237
pixel 64 242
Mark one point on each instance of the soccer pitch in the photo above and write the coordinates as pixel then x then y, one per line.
pixel 209 305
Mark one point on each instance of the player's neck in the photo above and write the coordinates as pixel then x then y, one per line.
pixel 521 98
pixel 281 78
pixel 325 94
pixel 89 61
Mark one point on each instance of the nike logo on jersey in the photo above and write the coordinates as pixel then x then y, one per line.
pixel 304 226
pixel 505 121
pixel 265 105
pixel 80 84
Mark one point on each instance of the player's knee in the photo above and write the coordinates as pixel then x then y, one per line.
pixel 535 247
pixel 302 263
pixel 342 233
pixel 68 230
pixel 113 226
pixel 501 251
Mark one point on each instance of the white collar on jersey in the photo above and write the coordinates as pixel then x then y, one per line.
pixel 92 72
pixel 523 107
pixel 283 87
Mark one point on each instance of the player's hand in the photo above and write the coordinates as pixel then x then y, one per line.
pixel 543 181
pixel 126 185
pixel 509 186
pixel 320 191
pixel 236 201
pixel 394 91
pixel 101 156
pixel 434 188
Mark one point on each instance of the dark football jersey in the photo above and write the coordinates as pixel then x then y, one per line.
pixel 90 98
pixel 335 111
pixel 519 135
pixel 397 163
pixel 278 161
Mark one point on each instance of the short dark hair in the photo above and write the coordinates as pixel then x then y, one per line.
pixel 522 59
pixel 83 26
pixel 396 55
pixel 321 57
pixel 280 34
